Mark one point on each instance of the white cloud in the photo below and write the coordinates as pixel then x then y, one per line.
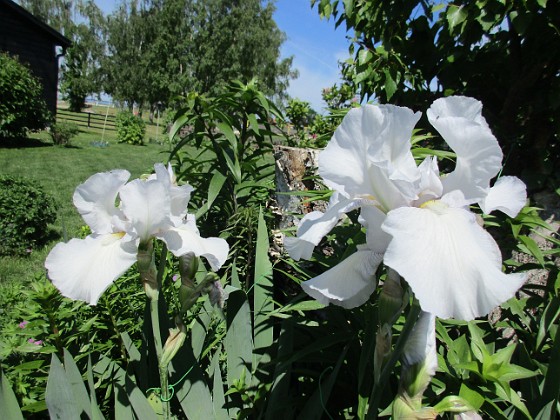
pixel 309 84
pixel 316 72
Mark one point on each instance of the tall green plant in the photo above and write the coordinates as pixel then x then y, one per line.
pixel 232 169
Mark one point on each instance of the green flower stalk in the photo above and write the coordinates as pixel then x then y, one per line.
pixel 391 303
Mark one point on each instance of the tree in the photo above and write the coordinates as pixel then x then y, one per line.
pixel 239 40
pixel 159 49
pixel 505 53
pixel 127 42
pixel 81 70
pixel 83 23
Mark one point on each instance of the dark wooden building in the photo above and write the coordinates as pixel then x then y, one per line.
pixel 35 43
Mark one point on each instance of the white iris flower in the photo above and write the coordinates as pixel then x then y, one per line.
pixel 417 221
pixel 153 208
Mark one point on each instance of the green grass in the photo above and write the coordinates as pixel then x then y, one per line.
pixel 59 170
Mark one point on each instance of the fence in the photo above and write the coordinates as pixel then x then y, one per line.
pixel 88 119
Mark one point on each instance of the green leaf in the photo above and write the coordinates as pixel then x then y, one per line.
pixel 551 384
pixel 58 395
pixel 315 406
pixel 254 123
pixel 548 318
pixel 503 390
pixel 8 400
pixel 303 306
pixel 95 411
pixel 474 398
pixel 239 337
pixel 390 84
pixel 191 386
pixel 77 386
pixel 477 343
pixel 532 248
pixel 364 57
pixel 456 15
pixel 218 397
pixel 280 392
pixel 233 166
pixel 228 132
pixel 200 327
pixel 214 188
pixel 263 292
pixel 138 401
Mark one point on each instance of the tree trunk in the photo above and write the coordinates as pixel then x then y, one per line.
pixel 296 171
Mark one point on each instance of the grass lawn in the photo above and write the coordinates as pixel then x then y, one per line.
pixel 59 170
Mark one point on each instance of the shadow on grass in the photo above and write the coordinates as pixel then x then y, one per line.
pixel 21 142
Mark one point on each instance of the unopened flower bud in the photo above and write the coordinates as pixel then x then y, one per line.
pixel 382 349
pixel 147 270
pixel 187 297
pixel 217 295
pixel 188 266
pixel 406 409
pixel 391 299
pixel 174 342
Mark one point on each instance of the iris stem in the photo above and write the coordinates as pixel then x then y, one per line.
pixel 152 279
pixel 163 377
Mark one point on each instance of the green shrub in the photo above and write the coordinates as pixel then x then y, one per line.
pixel 130 128
pixel 62 133
pixel 22 107
pixel 299 113
pixel 25 212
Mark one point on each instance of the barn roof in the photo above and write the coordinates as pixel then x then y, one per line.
pixel 50 32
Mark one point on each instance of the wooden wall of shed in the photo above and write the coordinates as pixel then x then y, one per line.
pixel 34 48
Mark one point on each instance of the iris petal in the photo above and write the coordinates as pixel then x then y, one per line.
pixel 83 268
pixel 185 238
pixel 460 122
pixel 315 225
pixel 348 284
pixel 179 195
pixel 508 195
pixel 452 265
pixel 147 205
pixel 95 199
pixel 369 154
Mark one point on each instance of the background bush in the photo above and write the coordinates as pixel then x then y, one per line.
pixel 130 128
pixel 22 107
pixel 25 212
pixel 62 133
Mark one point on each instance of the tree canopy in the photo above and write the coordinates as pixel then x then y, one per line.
pixel 504 53
pixel 162 48
pixel 151 51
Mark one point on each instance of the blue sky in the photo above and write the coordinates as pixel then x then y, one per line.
pixel 315 44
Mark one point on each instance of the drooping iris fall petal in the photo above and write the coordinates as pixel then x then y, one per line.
pixel 82 269
pixel 348 284
pixel 452 265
